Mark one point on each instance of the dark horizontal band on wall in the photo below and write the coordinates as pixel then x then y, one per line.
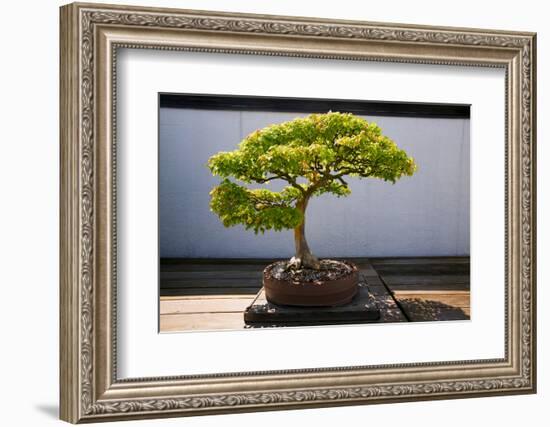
pixel 313 105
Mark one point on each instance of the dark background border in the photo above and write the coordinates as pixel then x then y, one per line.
pixel 313 105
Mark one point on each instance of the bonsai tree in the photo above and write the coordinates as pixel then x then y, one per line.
pixel 313 155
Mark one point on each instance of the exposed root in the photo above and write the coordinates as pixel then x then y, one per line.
pixel 297 263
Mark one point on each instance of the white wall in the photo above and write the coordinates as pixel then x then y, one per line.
pixel 29 171
pixel 426 214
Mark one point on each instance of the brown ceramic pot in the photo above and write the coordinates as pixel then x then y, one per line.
pixel 312 294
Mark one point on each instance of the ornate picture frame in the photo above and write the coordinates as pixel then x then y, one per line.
pixel 90 37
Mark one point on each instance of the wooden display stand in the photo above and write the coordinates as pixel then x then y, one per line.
pixel 361 309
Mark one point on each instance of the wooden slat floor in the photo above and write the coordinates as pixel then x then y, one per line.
pixel 212 294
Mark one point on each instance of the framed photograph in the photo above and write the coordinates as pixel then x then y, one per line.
pixel 195 148
pixel 215 277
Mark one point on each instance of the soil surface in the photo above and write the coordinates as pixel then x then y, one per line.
pixel 330 270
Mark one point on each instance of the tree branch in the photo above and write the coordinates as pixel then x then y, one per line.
pixel 292 181
pixel 268 203
pixel 264 180
pixel 339 178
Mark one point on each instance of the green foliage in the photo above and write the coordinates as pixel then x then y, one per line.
pixel 259 209
pixel 320 149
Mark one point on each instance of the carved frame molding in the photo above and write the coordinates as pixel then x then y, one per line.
pixel 90 37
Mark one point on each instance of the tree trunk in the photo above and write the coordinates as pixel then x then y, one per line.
pixel 303 258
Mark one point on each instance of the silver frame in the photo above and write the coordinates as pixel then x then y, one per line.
pixel 90 37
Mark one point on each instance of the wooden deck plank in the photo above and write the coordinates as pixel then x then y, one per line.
pixel 194 297
pixel 455 299
pixel 423 270
pixel 433 287
pixel 209 305
pixel 183 291
pixel 205 265
pixel 256 268
pixel 418 310
pixel 425 280
pixel 210 275
pixel 220 282
pixel 428 305
pixel 419 260
pixel 215 261
pixel 201 321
